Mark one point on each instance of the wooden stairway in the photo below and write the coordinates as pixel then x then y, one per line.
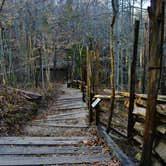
pixel 60 136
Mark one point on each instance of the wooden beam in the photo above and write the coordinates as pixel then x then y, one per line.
pixel 52 160
pixel 33 150
pixel 125 161
pixel 89 84
pixel 156 15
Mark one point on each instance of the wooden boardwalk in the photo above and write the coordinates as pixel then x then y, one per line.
pixel 61 136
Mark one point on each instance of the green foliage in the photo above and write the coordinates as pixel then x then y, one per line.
pixel 12 78
pixel 34 106
pixel 75 54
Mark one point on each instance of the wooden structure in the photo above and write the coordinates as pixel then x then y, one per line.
pixel 60 137
pixel 58 72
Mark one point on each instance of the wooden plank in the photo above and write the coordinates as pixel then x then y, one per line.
pixel 27 94
pixel 70 117
pixel 70 108
pixel 125 161
pixel 60 125
pixel 103 96
pixel 45 138
pixel 160 98
pixel 68 100
pixel 67 114
pixel 71 104
pixel 22 160
pixel 69 97
pixel 32 150
pixel 40 140
pixel 49 130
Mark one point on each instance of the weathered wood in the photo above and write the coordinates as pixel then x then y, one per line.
pixel 97 65
pixel 55 150
pixel 70 117
pixel 49 130
pixel 156 15
pixel 68 114
pixel 125 161
pixel 132 81
pixel 139 111
pixel 145 56
pixel 21 160
pixel 124 135
pixel 161 109
pixel 32 150
pixel 160 149
pixel 69 98
pixel 103 96
pixel 112 62
pixel 89 83
pixel 97 109
pixel 70 107
pixel 79 104
pixel 66 101
pixel 139 127
pixel 27 94
pixel 161 129
pixel 160 98
pixel 138 139
pixel 40 140
pixel 60 125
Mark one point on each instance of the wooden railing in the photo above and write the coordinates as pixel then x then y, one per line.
pixel 139 112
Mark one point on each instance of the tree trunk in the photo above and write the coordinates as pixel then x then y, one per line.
pixel 112 59
pixel 145 58
pixel 133 80
pixel 156 15
pixel 2 4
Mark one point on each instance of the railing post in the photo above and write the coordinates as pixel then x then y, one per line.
pixel 96 83
pixel 89 86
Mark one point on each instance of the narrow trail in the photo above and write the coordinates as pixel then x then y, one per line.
pixel 60 136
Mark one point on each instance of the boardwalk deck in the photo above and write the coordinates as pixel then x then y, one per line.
pixel 58 138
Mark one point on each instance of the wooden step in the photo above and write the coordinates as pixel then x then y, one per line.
pixel 77 100
pixel 61 125
pixel 41 140
pixel 53 131
pixel 68 107
pixel 81 113
pixel 32 150
pixel 71 117
pixel 22 160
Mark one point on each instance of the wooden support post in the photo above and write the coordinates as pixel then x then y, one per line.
pixel 132 81
pixel 97 115
pixel 89 86
pixel 145 57
pixel 96 83
pixel 97 56
pixel 156 14
pixel 84 78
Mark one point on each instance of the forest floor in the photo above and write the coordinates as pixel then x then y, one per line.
pixel 16 110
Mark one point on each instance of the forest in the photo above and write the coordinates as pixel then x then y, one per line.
pixel 83 82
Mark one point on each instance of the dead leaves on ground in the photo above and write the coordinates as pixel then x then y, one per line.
pixel 15 110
